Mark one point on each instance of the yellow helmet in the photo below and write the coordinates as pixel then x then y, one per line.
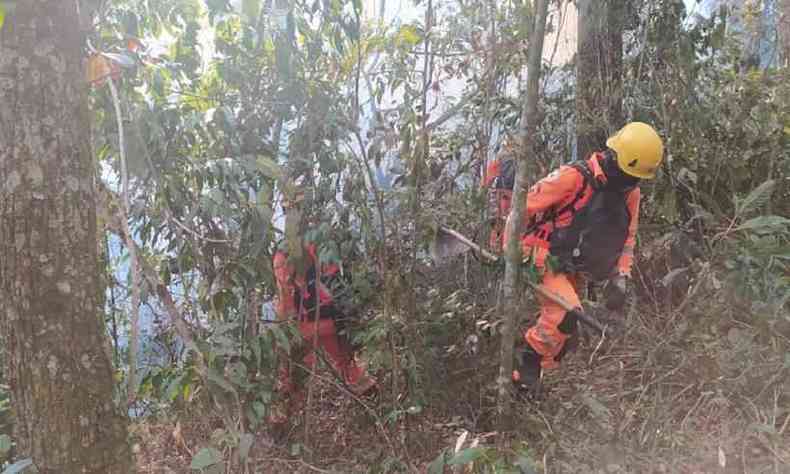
pixel 639 150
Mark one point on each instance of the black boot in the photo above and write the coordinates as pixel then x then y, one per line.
pixel 570 327
pixel 526 378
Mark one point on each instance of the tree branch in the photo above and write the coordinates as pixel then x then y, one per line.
pixel 109 210
pixel 451 112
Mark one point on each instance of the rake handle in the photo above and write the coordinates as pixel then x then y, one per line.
pixel 583 317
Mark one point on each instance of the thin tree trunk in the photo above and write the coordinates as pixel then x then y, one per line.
pixel 599 67
pixel 134 311
pixel 526 156
pixel 422 150
pixel 60 376
pixel 489 85
pixel 783 32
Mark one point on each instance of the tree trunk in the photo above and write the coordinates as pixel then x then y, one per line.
pixel 599 71
pixel 526 156
pixel 59 374
pixel 783 27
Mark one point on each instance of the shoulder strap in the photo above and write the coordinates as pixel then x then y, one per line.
pixel 507 175
pixel 587 179
pixel 309 288
pixel 552 214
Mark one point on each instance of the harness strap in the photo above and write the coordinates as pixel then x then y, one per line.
pixel 588 180
pixel 309 288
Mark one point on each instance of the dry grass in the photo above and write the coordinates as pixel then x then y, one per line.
pixel 688 392
pixel 674 397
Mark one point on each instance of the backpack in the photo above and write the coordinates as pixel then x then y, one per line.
pixel 507 175
pixel 593 241
pixel 336 301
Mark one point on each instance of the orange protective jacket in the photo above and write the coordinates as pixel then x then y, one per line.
pixel 293 294
pixel 555 192
pixel 491 172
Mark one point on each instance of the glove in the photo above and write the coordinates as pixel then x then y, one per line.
pixel 615 293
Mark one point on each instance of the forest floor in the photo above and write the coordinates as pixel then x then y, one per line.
pixel 645 404
pixel 670 392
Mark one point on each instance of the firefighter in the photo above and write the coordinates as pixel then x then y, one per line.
pixel 499 177
pixel 297 294
pixel 585 215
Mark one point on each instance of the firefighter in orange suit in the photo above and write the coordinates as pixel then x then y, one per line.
pixel 498 178
pixel 296 298
pixel 585 215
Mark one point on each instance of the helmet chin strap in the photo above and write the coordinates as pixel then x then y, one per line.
pixel 616 180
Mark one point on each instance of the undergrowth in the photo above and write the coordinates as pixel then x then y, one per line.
pixel 697 388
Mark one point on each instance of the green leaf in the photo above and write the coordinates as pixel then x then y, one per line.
pixel 259 409
pixel 5 444
pixel 187 392
pixel 219 380
pixel 407 36
pixel 205 457
pixel 2 16
pixel 216 7
pixel 269 168
pixel 296 449
pixel 174 387
pixel 228 119
pixel 245 443
pixel 437 465
pixel 215 469
pixel 526 465
pixel 763 222
pixel 466 456
pixel 24 466
pixel 763 428
pixel 756 199
pixel 256 351
pixel 251 9
pixel 238 373
pixel 282 338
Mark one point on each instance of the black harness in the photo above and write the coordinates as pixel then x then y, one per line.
pixel 593 241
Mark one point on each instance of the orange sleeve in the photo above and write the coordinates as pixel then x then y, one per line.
pixel 627 257
pixel 491 172
pixel 552 190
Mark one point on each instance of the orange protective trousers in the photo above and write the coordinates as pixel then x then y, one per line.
pixel 337 354
pixel 545 336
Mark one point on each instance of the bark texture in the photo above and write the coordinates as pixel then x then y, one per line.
pixel 783 27
pixel 528 129
pixel 59 373
pixel 599 71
